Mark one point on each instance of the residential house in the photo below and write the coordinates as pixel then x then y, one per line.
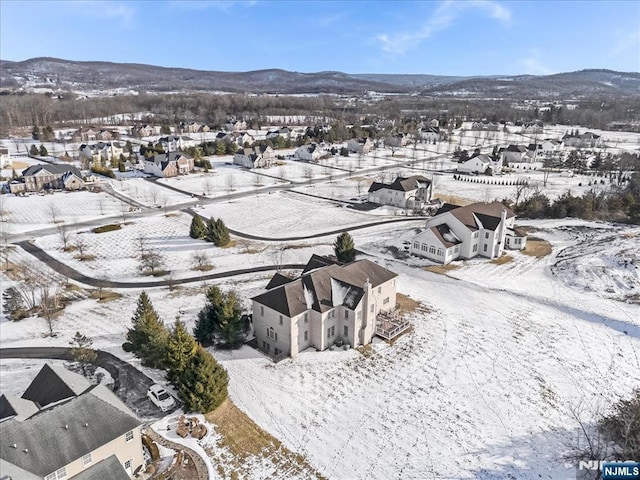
pixel 65 427
pixel 174 143
pixel 169 164
pixel 312 152
pixel 403 192
pixel 102 152
pixel 430 134
pixel 551 145
pixel 360 145
pixel 586 139
pixel 193 127
pixel 484 229
pixel 396 140
pixel 328 304
pixel 284 132
pixel 5 158
pixel 144 130
pixel 532 128
pixel 93 134
pixel 485 126
pixel 481 164
pixel 258 156
pixel 513 153
pixel 46 177
pixel 243 139
pixel 234 125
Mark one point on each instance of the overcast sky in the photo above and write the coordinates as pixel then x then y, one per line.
pixel 472 37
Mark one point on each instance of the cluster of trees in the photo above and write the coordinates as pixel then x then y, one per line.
pixel 35 151
pixel 616 203
pixel 150 150
pixel 214 231
pixel 200 380
pixel 221 321
pixel 344 248
pixel 45 135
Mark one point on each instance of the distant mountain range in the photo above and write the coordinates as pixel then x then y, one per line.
pixel 57 74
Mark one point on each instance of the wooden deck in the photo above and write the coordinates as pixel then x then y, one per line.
pixel 390 325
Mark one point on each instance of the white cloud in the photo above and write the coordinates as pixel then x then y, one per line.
pixel 443 17
pixel 116 10
pixel 533 65
pixel 220 5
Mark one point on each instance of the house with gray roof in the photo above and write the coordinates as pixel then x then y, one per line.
pixel 328 304
pixel 169 164
pixel 65 427
pixel 479 229
pixel 403 192
pixel 40 177
pixel 258 156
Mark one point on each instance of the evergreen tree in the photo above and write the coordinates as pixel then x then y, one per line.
pixel 181 346
pixel 148 336
pixel 43 151
pixel 204 383
pixel 33 150
pixel 344 248
pixel 13 304
pixel 221 319
pixel 35 132
pixel 223 234
pixel 82 351
pixel 198 228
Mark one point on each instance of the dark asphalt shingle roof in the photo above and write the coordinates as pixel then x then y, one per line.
pixel 109 468
pixel 54 383
pixel 488 214
pixel 402 184
pixel 56 168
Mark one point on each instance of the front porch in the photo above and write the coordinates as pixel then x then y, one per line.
pixel 390 324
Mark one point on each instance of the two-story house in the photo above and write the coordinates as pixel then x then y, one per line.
pixel 328 303
pixel 63 427
pixel 311 152
pixel 259 156
pixel 479 229
pixel 169 164
pixel 403 192
pixel 48 176
pixel 481 164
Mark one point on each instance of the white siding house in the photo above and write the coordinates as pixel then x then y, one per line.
pixel 255 157
pixel 479 229
pixel 360 145
pixel 480 164
pixel 409 192
pixel 327 305
pixel 311 152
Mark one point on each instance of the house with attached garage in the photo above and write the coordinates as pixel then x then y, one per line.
pixel 101 152
pixel 481 164
pixel 169 164
pixel 360 145
pixel 479 229
pixel 311 152
pixel 259 156
pixel 403 192
pixel 430 134
pixel 329 304
pixel 48 177
pixel 65 427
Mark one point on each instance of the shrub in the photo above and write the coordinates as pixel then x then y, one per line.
pixel 127 347
pixel 106 171
pixel 107 228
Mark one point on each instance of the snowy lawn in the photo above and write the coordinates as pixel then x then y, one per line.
pixel 148 193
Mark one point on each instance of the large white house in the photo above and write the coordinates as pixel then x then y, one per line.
pixel 360 145
pixel 484 229
pixel 409 192
pixel 328 304
pixel 481 164
pixel 255 157
pixel 311 152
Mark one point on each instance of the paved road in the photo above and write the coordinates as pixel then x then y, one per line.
pixel 130 384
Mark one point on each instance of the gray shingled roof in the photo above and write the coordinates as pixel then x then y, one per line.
pixel 57 168
pixel 488 214
pixel 402 184
pixel 91 421
pixel 55 383
pixel 16 407
pixel 109 468
pixel 291 299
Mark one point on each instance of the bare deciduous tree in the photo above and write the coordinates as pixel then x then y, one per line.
pixel 230 181
pixel 53 212
pixel 65 235
pixel 200 261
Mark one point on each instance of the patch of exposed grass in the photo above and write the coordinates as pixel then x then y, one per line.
pixel 203 268
pixel 537 247
pixel 231 244
pixel 502 260
pixel 107 228
pixel 86 257
pixel 104 296
pixel 441 269
pixel 365 350
pixel 243 438
pixel 406 304
pixel 452 199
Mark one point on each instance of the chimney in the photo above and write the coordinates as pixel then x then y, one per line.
pixel 66 427
pixel 26 450
pixel 86 424
pixel 14 445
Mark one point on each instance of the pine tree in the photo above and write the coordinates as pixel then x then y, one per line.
pixel 148 336
pixel 223 234
pixel 13 304
pixel 43 151
pixel 221 319
pixel 344 248
pixel 33 150
pixel 198 228
pixel 181 346
pixel 212 230
pixel 82 351
pixel 204 383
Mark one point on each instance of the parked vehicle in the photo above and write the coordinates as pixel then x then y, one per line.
pixel 161 398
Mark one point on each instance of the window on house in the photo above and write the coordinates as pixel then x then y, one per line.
pixel 51 476
pixel 486 234
pixel 271 333
pixel 127 465
pixel 432 249
pixel 379 290
pixel 86 459
pixel 276 351
pixel 261 311
pixel 416 245
pixel 475 235
pixel 264 345
pixel 385 301
pixel 485 247
pixel 371 309
pixel 268 347
pixel 306 317
pixel 475 248
pixel 280 319
pixel 306 335
pixel 359 316
pixel 128 436
pixel 346 332
pixel 457 249
pixel 346 314
pixel 58 474
pixel 331 331
pixel 424 247
pixel 440 252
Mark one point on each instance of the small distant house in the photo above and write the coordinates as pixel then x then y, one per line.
pixel 479 229
pixel 403 192
pixel 481 164
pixel 255 157
pixel 169 164
pixel 144 130
pixel 242 138
pixel 328 304
pixel 532 128
pixel 284 132
pixel 586 139
pixel 485 126
pixel 101 152
pixel 175 143
pixel 48 176
pixel 234 125
pixel 513 154
pixel 396 140
pixel 430 134
pixel 193 127
pixel 360 145
pixel 5 158
pixel 311 152
pixel 64 427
